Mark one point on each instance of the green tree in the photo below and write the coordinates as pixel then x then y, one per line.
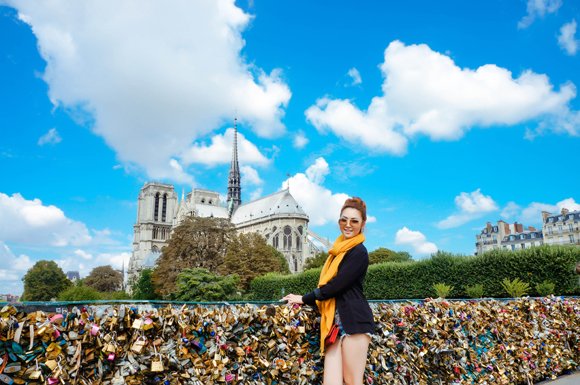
pixel 316 261
pixel 383 254
pixel 44 281
pixel 143 287
pixel 79 293
pixel 196 243
pixel 249 256
pixel 201 285
pixel 104 279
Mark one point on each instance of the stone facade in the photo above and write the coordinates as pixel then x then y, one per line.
pixel 506 236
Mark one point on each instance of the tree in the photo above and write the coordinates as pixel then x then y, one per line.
pixel 196 243
pixel 44 281
pixel 143 287
pixel 383 254
pixel 79 293
pixel 316 261
pixel 249 256
pixel 201 285
pixel 105 279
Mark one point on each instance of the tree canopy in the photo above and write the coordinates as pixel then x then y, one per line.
pixel 44 281
pixel 316 261
pixel 143 287
pixel 249 256
pixel 105 279
pixel 196 243
pixel 383 254
pixel 202 285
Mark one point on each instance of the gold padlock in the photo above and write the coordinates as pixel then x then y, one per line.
pixel 157 366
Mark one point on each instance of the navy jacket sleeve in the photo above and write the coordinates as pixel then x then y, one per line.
pixel 352 268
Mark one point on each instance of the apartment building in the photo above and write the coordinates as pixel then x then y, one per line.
pixel 504 235
pixel 562 228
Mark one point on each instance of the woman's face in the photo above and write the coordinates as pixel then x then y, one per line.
pixel 350 222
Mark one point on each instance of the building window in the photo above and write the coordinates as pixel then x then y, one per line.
pixel 570 228
pixel 513 247
pixel 560 229
pixel 571 238
pixel 300 230
pixel 156 211
pixel 276 241
pixel 298 243
pixel 550 231
pixel 523 245
pixel 287 238
pixel 164 209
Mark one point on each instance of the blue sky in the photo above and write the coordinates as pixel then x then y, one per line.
pixel 441 115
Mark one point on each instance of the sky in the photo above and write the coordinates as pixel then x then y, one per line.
pixel 440 115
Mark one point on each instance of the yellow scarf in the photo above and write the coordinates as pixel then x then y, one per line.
pixel 329 271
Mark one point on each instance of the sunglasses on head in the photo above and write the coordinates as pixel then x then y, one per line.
pixel 345 220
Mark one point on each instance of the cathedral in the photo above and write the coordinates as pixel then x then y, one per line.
pixel 277 217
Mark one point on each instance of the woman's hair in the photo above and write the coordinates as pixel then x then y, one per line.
pixel 356 203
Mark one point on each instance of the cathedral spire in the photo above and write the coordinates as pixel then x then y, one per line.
pixel 234 188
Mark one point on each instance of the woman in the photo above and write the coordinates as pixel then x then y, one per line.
pixel 341 301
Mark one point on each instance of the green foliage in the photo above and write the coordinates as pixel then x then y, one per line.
pixel 79 293
pixel 143 287
pixel 442 290
pixel 545 288
pixel 44 281
pixel 382 255
pixel 116 295
pixel 104 279
pixel 316 261
pixel 415 279
pixel 249 256
pixel 202 285
pixel 196 243
pixel 474 291
pixel 516 287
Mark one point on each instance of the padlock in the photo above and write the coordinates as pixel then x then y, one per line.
pixel 157 366
pixel 111 357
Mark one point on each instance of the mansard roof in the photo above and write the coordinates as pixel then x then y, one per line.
pixel 278 203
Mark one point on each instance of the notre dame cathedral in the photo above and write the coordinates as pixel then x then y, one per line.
pixel 277 217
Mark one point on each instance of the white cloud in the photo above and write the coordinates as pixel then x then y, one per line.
pixel 152 77
pixel 250 176
pixel 533 212
pixel 426 93
pixel 12 269
pixel 257 193
pixel 416 240
pixel 538 8
pixel 355 76
pixel 470 206
pixel 51 137
pixel 300 140
pixel 567 38
pixel 220 151
pixel 88 261
pixel 510 210
pixel 30 222
pixel 321 204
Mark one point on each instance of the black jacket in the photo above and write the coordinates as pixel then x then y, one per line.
pixel 347 287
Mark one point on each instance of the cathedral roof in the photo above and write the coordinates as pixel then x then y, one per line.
pixel 211 211
pixel 278 203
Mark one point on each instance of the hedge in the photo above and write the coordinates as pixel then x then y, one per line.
pixel 394 280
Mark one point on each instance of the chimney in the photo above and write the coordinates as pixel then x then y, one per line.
pixel 519 228
pixel 506 227
pixel 564 211
pixel 531 228
pixel 545 215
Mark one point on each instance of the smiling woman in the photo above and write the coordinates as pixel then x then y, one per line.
pixel 346 322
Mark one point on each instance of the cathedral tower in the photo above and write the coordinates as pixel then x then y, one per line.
pixel 234 188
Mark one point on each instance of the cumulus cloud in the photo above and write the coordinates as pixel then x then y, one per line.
pixel 51 137
pixel 153 77
pixel 321 204
pixel 538 8
pixel 300 140
pixel 415 240
pixel 219 151
pixel 426 93
pixel 12 269
pixel 355 76
pixel 470 206
pixel 31 222
pixel 567 38
pixel 510 210
pixel 250 176
pixel 84 261
pixel 533 212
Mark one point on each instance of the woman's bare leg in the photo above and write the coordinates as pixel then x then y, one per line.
pixel 354 358
pixel 333 364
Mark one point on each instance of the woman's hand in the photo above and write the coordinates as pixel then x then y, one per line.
pixel 293 299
